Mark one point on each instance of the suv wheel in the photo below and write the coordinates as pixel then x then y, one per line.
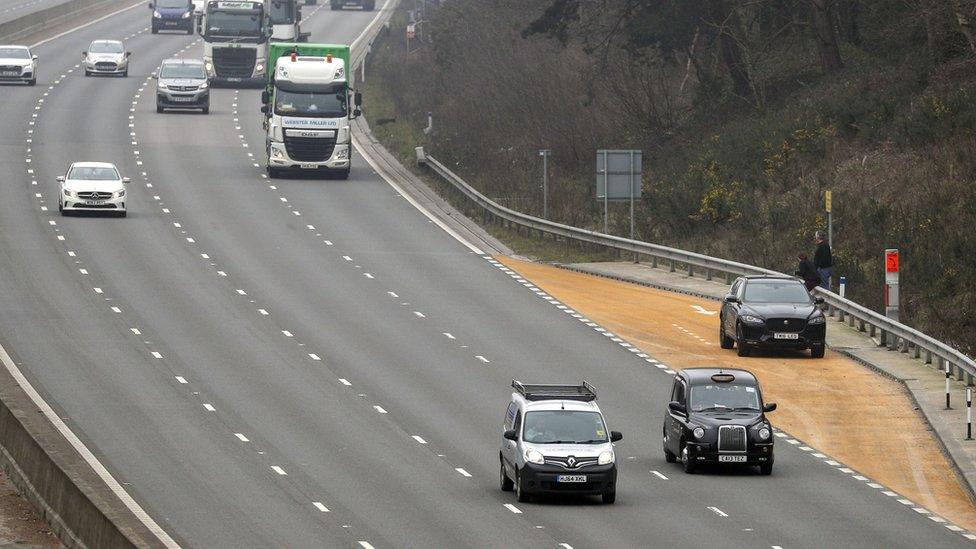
pixel 817 351
pixel 724 340
pixel 520 494
pixel 506 483
pixel 741 348
pixel 686 462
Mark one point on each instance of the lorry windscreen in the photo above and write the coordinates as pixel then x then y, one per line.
pixel 226 23
pixel 282 12
pixel 319 104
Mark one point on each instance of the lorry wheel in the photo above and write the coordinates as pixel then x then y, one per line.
pixel 274 173
pixel 742 349
pixel 724 341
pixel 32 81
pixel 125 73
pixel 766 469
pixel 520 494
pixel 343 175
pixel 687 464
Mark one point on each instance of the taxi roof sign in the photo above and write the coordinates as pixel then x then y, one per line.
pixel 723 378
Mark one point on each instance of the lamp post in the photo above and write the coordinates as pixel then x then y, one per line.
pixel 544 153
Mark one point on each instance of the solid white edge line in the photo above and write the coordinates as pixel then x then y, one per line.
pixel 88 24
pixel 85 453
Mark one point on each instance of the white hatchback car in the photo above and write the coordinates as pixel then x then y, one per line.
pixel 92 187
pixel 106 57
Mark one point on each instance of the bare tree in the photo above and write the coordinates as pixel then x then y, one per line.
pixel 824 24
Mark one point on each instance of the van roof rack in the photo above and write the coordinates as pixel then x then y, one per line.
pixel 536 391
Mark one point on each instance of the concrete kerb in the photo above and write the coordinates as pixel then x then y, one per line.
pixel 963 466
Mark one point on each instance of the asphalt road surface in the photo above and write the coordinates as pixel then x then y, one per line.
pixel 309 363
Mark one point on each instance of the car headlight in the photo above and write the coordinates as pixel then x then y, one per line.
pixel 698 433
pixel 204 86
pixel 764 433
pixel 605 458
pixel 819 319
pixel 187 15
pixel 752 319
pixel 69 194
pixel 118 194
pixel 161 86
pixel 534 456
pixel 157 15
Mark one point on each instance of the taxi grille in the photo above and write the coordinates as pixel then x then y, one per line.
pixel 234 62
pixel 731 438
pixel 309 149
pixel 786 324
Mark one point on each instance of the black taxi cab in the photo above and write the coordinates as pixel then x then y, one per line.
pixel 718 416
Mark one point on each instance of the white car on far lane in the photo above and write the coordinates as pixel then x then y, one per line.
pixel 92 187
pixel 17 64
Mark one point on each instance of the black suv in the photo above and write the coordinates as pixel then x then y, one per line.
pixel 718 416
pixel 773 313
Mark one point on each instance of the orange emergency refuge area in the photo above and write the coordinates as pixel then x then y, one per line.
pixel 834 404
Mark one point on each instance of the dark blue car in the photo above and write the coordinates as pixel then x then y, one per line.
pixel 172 15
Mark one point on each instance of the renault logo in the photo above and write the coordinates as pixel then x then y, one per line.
pixel 571 461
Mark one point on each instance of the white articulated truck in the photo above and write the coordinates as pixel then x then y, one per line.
pixel 235 41
pixel 286 17
pixel 308 105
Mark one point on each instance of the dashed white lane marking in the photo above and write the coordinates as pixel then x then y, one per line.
pixel 182 380
pixel 136 331
pixel 379 409
pixel 263 312
pixel 513 508
pixel 278 470
pixel 462 471
pixel 392 294
pixel 318 505
pixel 659 475
pixel 83 271
pixel 115 309
pixel 287 333
pixel 209 407
pixel 482 359
pixel 718 511
pixel 156 354
pixel 449 336
pixel 420 314
pixel 367 275
pixel 97 290
pixel 566 546
pixel 313 356
pixel 241 292
pixel 365 545
pixel 344 382
pixel 241 437
pixel 419 439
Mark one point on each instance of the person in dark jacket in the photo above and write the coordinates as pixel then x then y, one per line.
pixel 823 260
pixel 807 272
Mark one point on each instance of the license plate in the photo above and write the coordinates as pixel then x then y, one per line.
pixel 9 73
pixel 571 478
pixel 182 99
pixel 732 459
pixel 233 79
pixel 93 202
pixel 308 166
pixel 785 335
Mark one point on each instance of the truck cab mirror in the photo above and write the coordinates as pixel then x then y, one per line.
pixel 357 99
pixel 155 75
pixel 356 113
pixel 60 179
pixel 264 109
pixel 34 57
pixel 264 96
pixel 731 299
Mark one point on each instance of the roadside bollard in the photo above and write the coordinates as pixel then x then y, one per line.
pixel 842 285
pixel 947 385
pixel 969 413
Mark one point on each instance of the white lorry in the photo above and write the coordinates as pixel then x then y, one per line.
pixel 286 18
pixel 308 105
pixel 235 41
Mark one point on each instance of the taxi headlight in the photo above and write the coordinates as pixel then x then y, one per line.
pixel 699 433
pixel 534 456
pixel 605 458
pixel 259 67
pixel 209 66
pixel 764 433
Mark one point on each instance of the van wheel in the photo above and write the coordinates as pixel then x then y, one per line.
pixel 506 483
pixel 155 30
pixel 817 351
pixel 520 494
pixel 686 462
pixel 609 497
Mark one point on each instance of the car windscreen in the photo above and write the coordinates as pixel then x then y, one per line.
pixel 182 71
pixel 564 427
pixel 105 47
pixel 322 104
pixel 184 4
pixel 93 173
pixel 787 291
pixel 14 53
pixel 225 23
pixel 724 397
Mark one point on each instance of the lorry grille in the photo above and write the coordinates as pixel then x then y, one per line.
pixel 309 149
pixel 786 324
pixel 731 438
pixel 234 62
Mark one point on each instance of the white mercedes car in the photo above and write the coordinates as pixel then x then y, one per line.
pixel 92 187
pixel 17 64
pixel 106 57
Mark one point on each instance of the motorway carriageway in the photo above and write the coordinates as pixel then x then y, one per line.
pixel 309 363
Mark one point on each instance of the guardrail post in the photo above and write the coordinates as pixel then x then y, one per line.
pixel 904 345
pixel 840 313
pixel 672 264
pixel 729 277
pixel 918 351
pixel 691 271
pixel 654 261
pixel 883 337
pixel 928 356
pixel 708 274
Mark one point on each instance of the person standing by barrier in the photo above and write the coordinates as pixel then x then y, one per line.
pixel 823 260
pixel 807 272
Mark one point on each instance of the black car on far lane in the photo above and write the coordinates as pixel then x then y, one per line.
pixel 718 416
pixel 774 313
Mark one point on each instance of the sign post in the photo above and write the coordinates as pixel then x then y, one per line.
pixel 618 179
pixel 828 205
pixel 544 153
pixel 891 263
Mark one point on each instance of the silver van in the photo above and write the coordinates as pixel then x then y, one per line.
pixel 555 441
